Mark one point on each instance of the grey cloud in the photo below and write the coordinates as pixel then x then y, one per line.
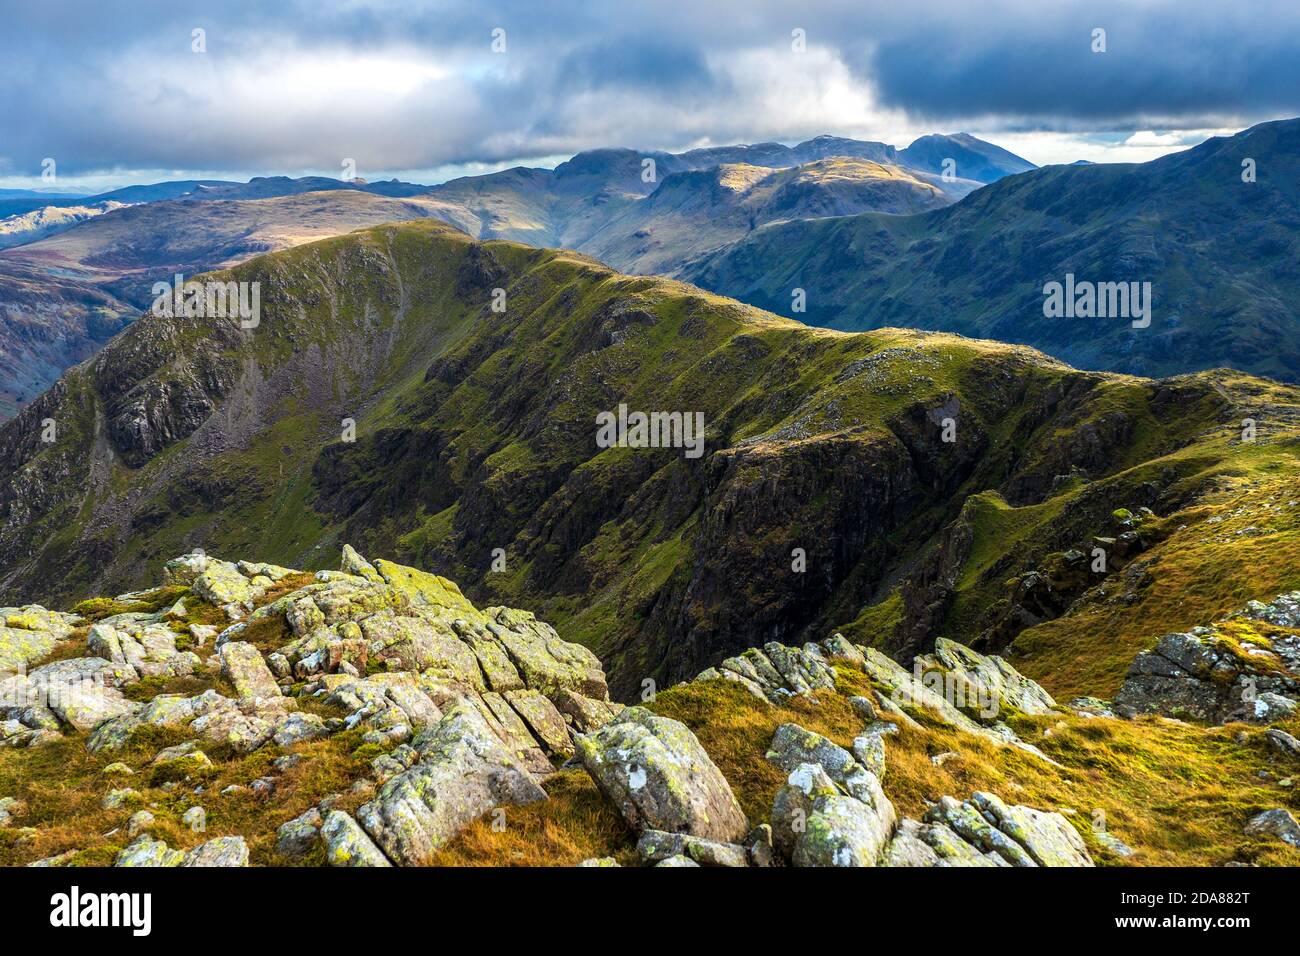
pixel 100 87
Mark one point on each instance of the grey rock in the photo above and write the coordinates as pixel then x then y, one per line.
pixel 1277 822
pixel 227 851
pixel 655 772
pixel 464 772
pixel 296 838
pixel 346 844
pixel 148 852
pixel 243 666
pixel 1283 743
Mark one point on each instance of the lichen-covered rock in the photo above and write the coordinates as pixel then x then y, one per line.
pixel 20 646
pixel 909 848
pixel 832 811
pixel 547 663
pixel 655 772
pixel 545 722
pixel 81 692
pixel 221 583
pixel 966 820
pixel 196 818
pixel 869 749
pixel 1277 822
pixel 296 838
pixel 185 569
pixel 464 772
pixel 346 844
pixel 146 851
pixel 1019 835
pixel 1201 675
pixel 183 760
pixel 842 831
pixel 120 798
pixel 149 648
pixel 224 851
pixel 242 664
pixel 654 846
pixel 985 681
pixel 298 727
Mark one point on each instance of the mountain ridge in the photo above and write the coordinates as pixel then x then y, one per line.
pixel 1218 251
pixel 474 431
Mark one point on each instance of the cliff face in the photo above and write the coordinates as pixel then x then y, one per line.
pixel 892 484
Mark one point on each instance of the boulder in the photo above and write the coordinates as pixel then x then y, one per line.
pixel 346 844
pixel 298 727
pixel 221 583
pixel 1277 822
pixel 1201 675
pixel 223 851
pixel 655 772
pixel 296 838
pixel 146 851
pixel 1283 743
pixel 243 666
pixel 464 772
pixel 842 831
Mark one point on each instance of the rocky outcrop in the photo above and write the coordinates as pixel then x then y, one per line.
pixel 29 633
pixel 833 811
pixel 1246 667
pixel 655 772
pixel 954 685
pixel 463 772
pixel 1276 823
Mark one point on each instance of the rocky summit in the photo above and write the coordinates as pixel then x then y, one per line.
pixel 242 713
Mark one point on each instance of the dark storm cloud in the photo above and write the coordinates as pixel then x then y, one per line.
pixel 1193 65
pixel 406 85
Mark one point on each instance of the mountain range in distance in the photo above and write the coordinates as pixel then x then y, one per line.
pixel 642 212
pixel 867 235
pixel 1217 241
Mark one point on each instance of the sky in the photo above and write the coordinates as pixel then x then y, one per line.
pixel 124 93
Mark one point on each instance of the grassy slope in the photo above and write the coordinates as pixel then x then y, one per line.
pixel 474 432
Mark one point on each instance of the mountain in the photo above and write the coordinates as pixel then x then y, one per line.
pixel 971 158
pixel 1220 254
pixel 24 202
pixel 607 202
pixel 695 212
pixel 28 227
pixel 48 322
pixel 62 296
pixel 135 246
pixel 604 201
pixel 895 485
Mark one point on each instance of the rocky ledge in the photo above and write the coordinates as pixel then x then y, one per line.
pixel 1245 667
pixel 459 713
